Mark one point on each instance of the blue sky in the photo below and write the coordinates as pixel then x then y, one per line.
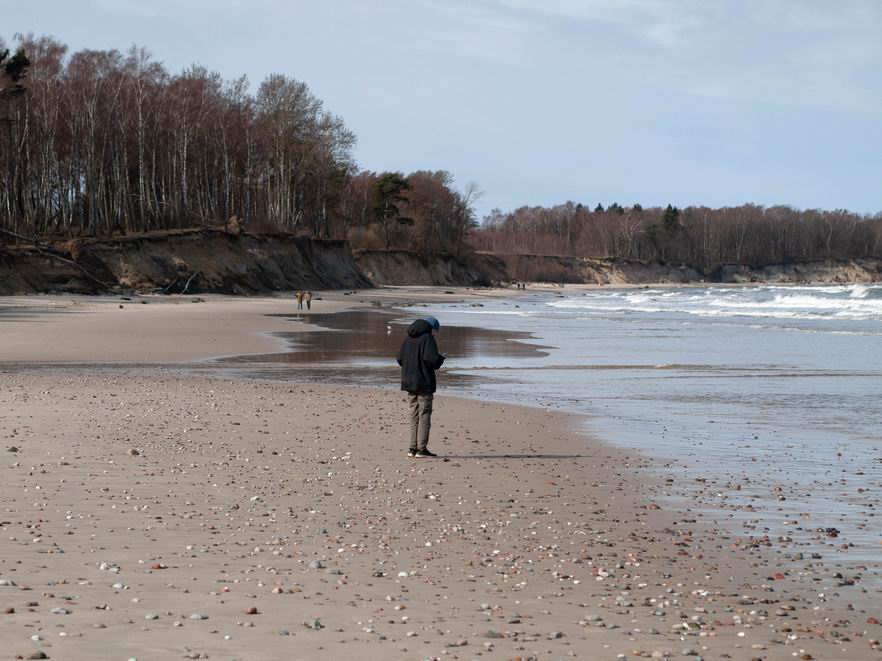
pixel 714 102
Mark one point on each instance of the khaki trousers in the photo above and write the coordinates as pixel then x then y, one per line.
pixel 420 419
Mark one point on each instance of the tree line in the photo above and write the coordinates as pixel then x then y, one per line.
pixel 103 142
pixel 696 235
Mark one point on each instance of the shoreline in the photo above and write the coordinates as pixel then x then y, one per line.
pixel 629 493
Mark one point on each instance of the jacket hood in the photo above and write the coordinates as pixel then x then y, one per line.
pixel 419 327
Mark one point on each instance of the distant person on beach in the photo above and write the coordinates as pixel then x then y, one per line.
pixel 308 297
pixel 419 358
pixel 299 297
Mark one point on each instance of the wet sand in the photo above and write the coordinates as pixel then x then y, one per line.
pixel 288 517
pixel 372 338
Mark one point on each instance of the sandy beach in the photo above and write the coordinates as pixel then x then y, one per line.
pixel 157 514
pixel 172 329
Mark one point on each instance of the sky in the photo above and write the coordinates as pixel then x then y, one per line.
pixel 705 102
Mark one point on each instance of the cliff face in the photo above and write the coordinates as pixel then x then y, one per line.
pixel 868 269
pixel 398 267
pixel 209 260
pixel 584 270
pixel 610 271
pixel 216 261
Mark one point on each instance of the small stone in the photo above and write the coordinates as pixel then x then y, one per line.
pixel 198 616
pixel 251 610
pixel 134 452
pixel 492 634
pixel 151 616
pixel 554 635
pixel 316 564
pixel 38 655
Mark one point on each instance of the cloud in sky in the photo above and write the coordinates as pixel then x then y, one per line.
pixel 687 101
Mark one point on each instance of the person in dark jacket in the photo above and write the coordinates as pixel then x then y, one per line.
pixel 419 358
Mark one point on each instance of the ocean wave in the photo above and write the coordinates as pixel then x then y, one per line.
pixel 843 302
pixel 859 291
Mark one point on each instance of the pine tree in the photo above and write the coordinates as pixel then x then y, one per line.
pixel 12 70
pixel 389 193
pixel 670 221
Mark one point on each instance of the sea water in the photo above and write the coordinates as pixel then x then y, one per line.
pixel 803 359
pixel 771 392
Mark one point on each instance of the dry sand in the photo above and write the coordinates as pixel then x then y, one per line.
pixel 161 516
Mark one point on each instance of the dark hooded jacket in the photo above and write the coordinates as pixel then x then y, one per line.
pixel 419 358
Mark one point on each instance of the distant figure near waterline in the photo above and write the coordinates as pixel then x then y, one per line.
pixel 308 297
pixel 419 358
pixel 299 297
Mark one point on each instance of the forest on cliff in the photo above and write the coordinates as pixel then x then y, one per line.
pixel 105 142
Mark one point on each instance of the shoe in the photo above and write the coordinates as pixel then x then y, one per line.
pixel 411 453
pixel 425 453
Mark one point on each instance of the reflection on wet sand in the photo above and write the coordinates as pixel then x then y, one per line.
pixel 369 338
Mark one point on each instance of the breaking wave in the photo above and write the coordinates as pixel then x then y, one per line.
pixel 843 302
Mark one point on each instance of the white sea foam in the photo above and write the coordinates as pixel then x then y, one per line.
pixel 842 302
pixel 859 291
